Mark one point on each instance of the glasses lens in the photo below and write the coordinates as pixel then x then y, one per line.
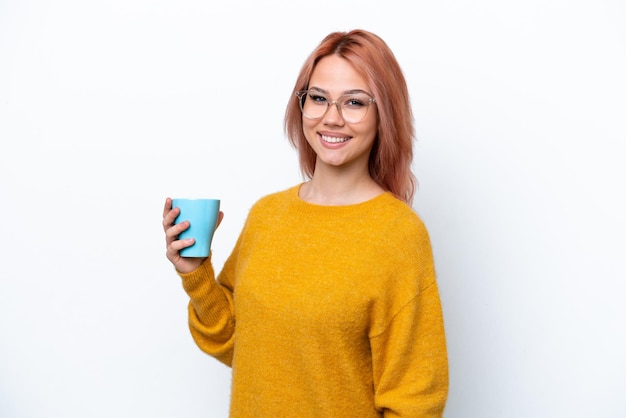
pixel 313 105
pixel 353 107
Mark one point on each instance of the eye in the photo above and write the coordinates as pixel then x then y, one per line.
pixel 317 98
pixel 355 101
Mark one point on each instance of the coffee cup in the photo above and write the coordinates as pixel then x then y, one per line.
pixel 202 215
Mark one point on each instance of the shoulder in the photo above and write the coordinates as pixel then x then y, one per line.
pixel 402 218
pixel 276 198
pixel 406 234
pixel 273 203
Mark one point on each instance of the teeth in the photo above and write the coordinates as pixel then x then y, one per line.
pixel 333 139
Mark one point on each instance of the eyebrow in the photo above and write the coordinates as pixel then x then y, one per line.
pixel 353 91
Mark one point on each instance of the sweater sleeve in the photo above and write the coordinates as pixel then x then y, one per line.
pixel 410 360
pixel 211 311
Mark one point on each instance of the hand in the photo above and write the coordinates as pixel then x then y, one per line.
pixel 174 245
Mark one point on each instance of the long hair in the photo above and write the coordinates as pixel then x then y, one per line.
pixel 392 153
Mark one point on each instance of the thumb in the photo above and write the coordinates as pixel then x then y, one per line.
pixel 219 219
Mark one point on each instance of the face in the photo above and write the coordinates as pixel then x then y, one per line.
pixel 336 142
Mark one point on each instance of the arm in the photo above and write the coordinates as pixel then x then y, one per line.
pixel 211 312
pixel 410 360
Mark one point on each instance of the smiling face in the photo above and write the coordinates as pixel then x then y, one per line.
pixel 336 142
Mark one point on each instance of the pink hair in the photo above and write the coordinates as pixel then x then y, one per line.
pixel 392 153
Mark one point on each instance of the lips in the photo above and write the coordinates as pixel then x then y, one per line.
pixel 334 139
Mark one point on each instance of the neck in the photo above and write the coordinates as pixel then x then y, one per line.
pixel 331 186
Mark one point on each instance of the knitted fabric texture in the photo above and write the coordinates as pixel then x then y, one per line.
pixel 326 311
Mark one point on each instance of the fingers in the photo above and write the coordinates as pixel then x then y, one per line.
pixel 173 231
pixel 169 214
pixel 219 219
pixel 168 206
pixel 174 246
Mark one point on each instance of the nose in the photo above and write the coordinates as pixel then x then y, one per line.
pixel 333 114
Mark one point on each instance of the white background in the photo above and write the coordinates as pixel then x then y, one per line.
pixel 107 107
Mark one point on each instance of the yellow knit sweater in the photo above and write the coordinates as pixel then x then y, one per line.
pixel 326 311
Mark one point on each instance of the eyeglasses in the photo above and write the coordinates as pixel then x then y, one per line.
pixel 351 107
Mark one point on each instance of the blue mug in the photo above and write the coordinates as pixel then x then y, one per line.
pixel 202 215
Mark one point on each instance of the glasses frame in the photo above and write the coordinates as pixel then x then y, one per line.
pixel 302 96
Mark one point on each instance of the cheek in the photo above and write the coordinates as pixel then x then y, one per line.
pixel 308 127
pixel 369 130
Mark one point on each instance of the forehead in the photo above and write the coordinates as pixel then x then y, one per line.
pixel 336 75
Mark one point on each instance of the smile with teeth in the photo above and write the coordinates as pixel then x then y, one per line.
pixel 334 139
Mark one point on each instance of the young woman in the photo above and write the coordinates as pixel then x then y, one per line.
pixel 328 305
